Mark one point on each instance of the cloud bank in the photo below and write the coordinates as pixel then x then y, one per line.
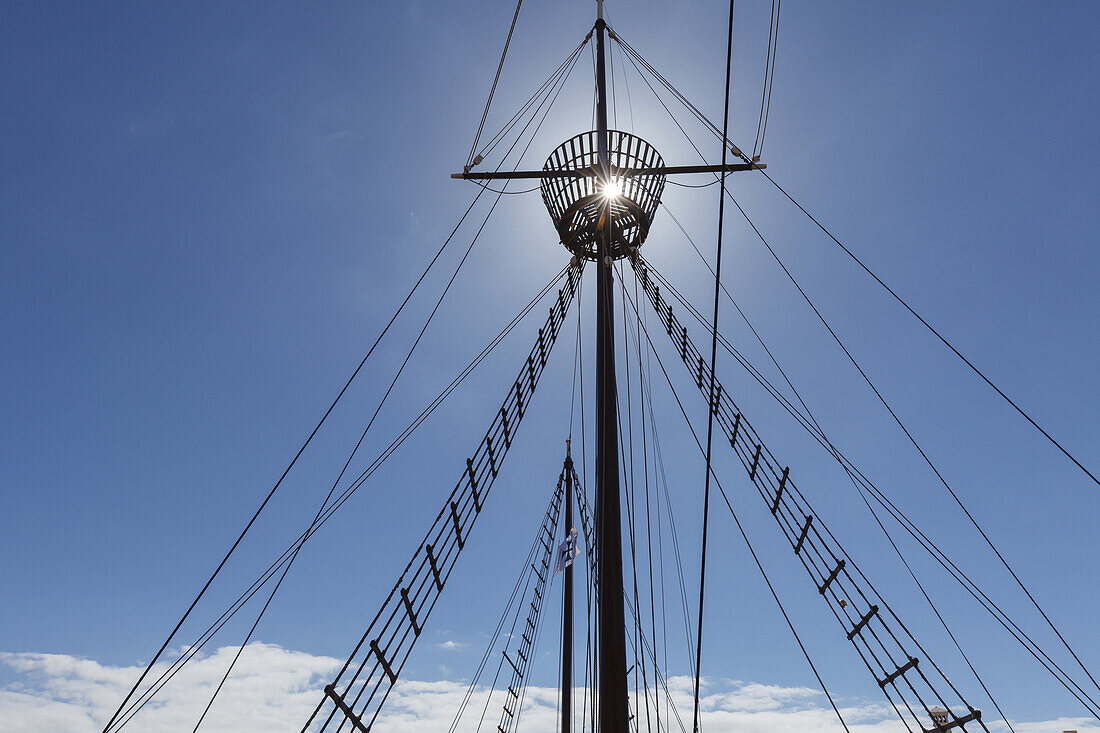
pixel 275 689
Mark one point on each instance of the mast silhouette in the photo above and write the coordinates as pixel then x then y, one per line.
pixel 567 605
pixel 614 713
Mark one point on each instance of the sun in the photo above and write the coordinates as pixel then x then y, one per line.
pixel 613 189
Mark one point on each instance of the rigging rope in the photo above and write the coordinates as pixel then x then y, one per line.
pixel 370 423
pixel 614 104
pixel 778 396
pixel 110 723
pixel 637 58
pixel 660 534
pixel 309 533
pixel 782 494
pixel 226 616
pixel 867 485
pixel 302 449
pixel 501 191
pixel 769 73
pixel 631 498
pixel 524 575
pixel 635 611
pixel 645 646
pixel 662 483
pixel 744 536
pixel 790 625
pixel 699 115
pixel 945 342
pixel 530 635
pixel 395 633
pixel 709 469
pixel 713 357
pixel 576 362
pixel 128 715
pixel 626 81
pixel 816 428
pixel 645 478
pixel 1034 602
pixel 932 605
pixel 916 445
pixel 692 185
pixel 550 81
pixel 496 79
pixel 710 126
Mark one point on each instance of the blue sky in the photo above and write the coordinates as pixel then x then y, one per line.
pixel 209 210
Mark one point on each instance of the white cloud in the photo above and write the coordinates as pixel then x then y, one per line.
pixel 275 689
pixel 450 645
pixel 56 693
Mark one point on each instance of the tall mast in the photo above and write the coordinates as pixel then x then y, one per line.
pixel 567 607
pixel 601 220
pixel 614 713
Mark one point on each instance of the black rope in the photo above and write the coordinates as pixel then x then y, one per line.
pixel 648 520
pixel 932 605
pixel 711 125
pixel 692 185
pixel 853 471
pixel 370 424
pixel 833 557
pixel 549 101
pixel 416 423
pixel 614 104
pixel 362 437
pixel 769 74
pixel 576 363
pixel 247 637
pixel 523 575
pixel 753 371
pixel 626 85
pixel 487 187
pixel 641 644
pixel 713 358
pixel 912 439
pixel 528 572
pixel 677 557
pixel 632 512
pixel 535 96
pixel 647 395
pixel 496 79
pixel 637 58
pixel 779 603
pixel 948 565
pixel 832 450
pixel 330 510
pixel 699 444
pixel 767 69
pixel 877 279
pixel 946 343
pixel 293 461
pixel 855 483
pixel 580 385
pixel 661 482
pixel 373 701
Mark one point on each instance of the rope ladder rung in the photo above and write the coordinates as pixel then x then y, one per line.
pixel 898 672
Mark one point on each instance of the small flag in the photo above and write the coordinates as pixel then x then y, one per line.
pixel 567 551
